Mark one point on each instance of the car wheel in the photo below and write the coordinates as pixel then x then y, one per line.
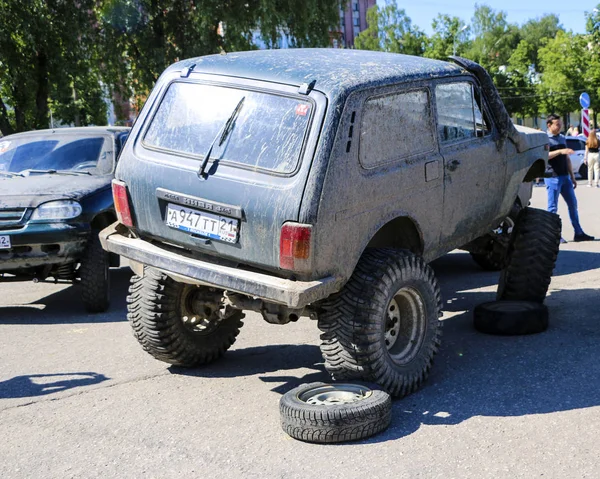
pixel 329 413
pixel 94 276
pixel 383 326
pixel 583 171
pixel 495 258
pixel 509 318
pixel 178 323
pixel 532 256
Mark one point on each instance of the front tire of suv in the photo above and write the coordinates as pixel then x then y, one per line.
pixel 383 326
pixel 532 255
pixel 178 323
pixel 94 276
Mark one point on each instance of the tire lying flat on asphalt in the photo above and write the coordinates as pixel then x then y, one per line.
pixel 329 413
pixel 532 256
pixel 510 318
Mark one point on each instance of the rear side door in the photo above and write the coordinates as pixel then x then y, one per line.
pixel 474 163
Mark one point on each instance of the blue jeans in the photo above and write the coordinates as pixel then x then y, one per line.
pixel 562 185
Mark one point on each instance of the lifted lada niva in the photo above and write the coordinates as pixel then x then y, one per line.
pixel 320 183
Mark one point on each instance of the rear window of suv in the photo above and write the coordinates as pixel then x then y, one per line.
pixel 254 129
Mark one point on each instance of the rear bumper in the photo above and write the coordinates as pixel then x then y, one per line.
pixel 294 294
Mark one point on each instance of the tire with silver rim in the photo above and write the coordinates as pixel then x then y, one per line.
pixel 383 326
pixel 178 323
pixel 328 413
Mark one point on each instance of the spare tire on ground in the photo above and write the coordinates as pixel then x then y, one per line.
pixel 510 318
pixel 328 413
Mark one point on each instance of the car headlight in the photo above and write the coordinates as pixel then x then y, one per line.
pixel 57 210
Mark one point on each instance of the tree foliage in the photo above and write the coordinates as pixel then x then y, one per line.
pixel 67 57
pixel 390 30
pixel 48 57
pixel 448 37
pixel 142 37
pixel 562 62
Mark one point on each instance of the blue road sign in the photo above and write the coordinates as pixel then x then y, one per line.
pixel 584 100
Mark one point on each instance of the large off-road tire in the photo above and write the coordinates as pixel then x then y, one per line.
pixel 510 318
pixel 532 256
pixel 94 276
pixel 383 326
pixel 179 323
pixel 495 257
pixel 328 413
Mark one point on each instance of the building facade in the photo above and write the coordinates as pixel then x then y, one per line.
pixel 353 20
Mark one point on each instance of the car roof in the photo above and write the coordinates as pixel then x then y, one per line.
pixel 332 70
pixel 75 131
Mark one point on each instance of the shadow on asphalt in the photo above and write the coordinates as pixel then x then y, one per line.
pixel 41 384
pixel 66 307
pixel 265 359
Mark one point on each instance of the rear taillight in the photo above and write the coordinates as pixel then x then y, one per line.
pixel 294 247
pixel 122 202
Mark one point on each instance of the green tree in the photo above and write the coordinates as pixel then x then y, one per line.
pixel 519 90
pixel 494 38
pixel 48 56
pixel 390 30
pixel 537 32
pixel 142 37
pixel 449 34
pixel 563 67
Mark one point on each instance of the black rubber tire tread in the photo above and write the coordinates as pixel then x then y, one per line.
pixel 335 423
pixel 94 276
pixel 352 341
pixel 153 312
pixel 583 171
pixel 510 318
pixel 532 255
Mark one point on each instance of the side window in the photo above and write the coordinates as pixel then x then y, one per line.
pixel 395 127
pixel 459 115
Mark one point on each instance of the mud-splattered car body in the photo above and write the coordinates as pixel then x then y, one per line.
pixel 363 150
pixel 54 192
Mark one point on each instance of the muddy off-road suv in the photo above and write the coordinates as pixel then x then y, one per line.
pixel 320 183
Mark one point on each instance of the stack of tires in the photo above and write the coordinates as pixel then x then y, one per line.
pixel 523 284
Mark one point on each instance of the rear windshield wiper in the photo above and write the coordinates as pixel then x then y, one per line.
pixel 221 136
pixel 56 172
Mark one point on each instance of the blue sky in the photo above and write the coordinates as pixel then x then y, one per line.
pixel 571 15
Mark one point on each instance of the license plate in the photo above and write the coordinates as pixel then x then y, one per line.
pixel 4 241
pixel 202 223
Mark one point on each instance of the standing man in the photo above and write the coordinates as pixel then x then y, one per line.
pixel 562 180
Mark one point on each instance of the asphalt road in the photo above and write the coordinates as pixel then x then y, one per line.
pixel 80 398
